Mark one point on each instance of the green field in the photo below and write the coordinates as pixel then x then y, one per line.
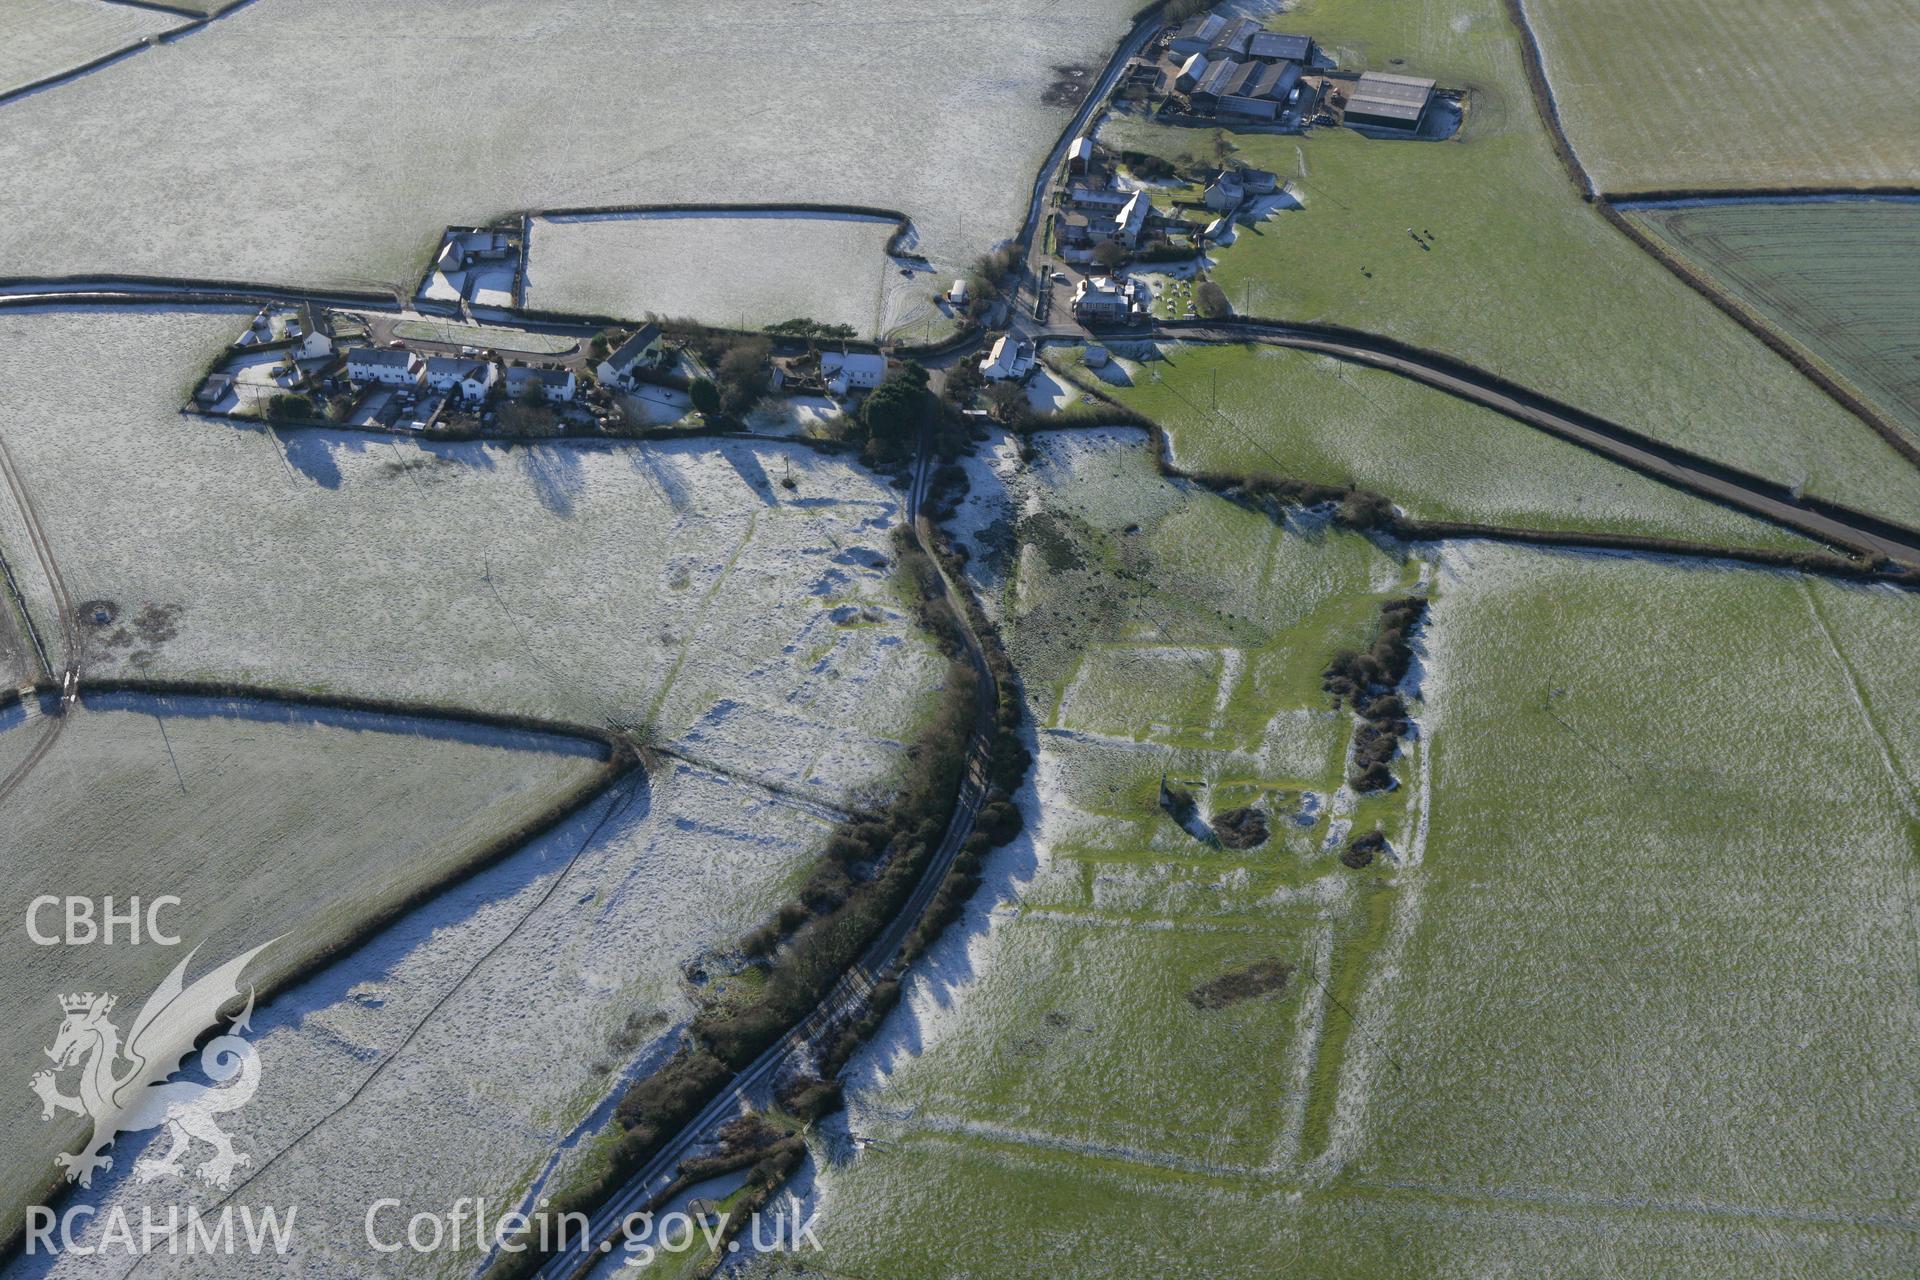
pixel 1269 412
pixel 1645 1005
pixel 1519 277
pixel 1690 94
pixel 1666 955
pixel 1836 277
pixel 1162 632
pixel 264 828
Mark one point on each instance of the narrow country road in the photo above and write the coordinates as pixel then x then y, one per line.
pixel 1826 521
pixel 843 1003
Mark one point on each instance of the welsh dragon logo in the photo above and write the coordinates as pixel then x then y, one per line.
pixel 123 1086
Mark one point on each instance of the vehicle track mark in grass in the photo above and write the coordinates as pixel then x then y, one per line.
pixel 618 797
pixel 1901 793
pixel 693 626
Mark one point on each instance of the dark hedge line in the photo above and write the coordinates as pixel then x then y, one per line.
pixel 1363 511
pixel 815 938
pixel 1367 681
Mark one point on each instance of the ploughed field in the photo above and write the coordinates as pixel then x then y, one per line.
pixel 1837 277
pixel 740 270
pixel 419 116
pixel 1690 94
pixel 42 38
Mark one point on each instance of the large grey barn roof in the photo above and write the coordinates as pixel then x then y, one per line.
pixel 1281 46
pixel 1389 97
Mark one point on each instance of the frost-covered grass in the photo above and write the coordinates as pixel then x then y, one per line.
pixel 265 825
pixel 1162 632
pixel 679 586
pixel 1645 1004
pixel 1756 111
pixel 483 335
pixel 1264 411
pixel 746 270
pixel 1520 276
pixel 454 112
pixel 40 38
pixel 1666 958
pixel 989 1208
pixel 464 1048
pixel 1835 276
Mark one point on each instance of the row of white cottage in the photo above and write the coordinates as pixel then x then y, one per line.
pixel 471 378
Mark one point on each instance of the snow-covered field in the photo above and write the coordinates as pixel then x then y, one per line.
pixel 40 38
pixel 745 269
pixel 464 1047
pixel 267 822
pixel 678 585
pixel 420 116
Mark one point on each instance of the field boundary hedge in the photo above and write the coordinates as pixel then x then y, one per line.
pixel 1362 510
pixel 1249 329
pixel 1781 344
pixel 622 762
pixel 1802 360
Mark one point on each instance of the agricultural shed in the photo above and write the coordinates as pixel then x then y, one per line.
pixel 1389 101
pixel 1278 46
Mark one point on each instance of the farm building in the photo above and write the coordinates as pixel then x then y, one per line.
pixel 1256 90
pixel 465 376
pixel 1010 360
pixel 1389 101
pixel 1226 192
pixel 556 385
pixel 306 329
pixel 214 389
pixel 378 364
pixel 1279 47
pixel 846 371
pixel 1192 72
pixel 642 348
pixel 1097 215
pixel 1080 155
pixel 1213 33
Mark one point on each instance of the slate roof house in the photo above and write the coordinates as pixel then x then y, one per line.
pixel 642 348
pixel 380 364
